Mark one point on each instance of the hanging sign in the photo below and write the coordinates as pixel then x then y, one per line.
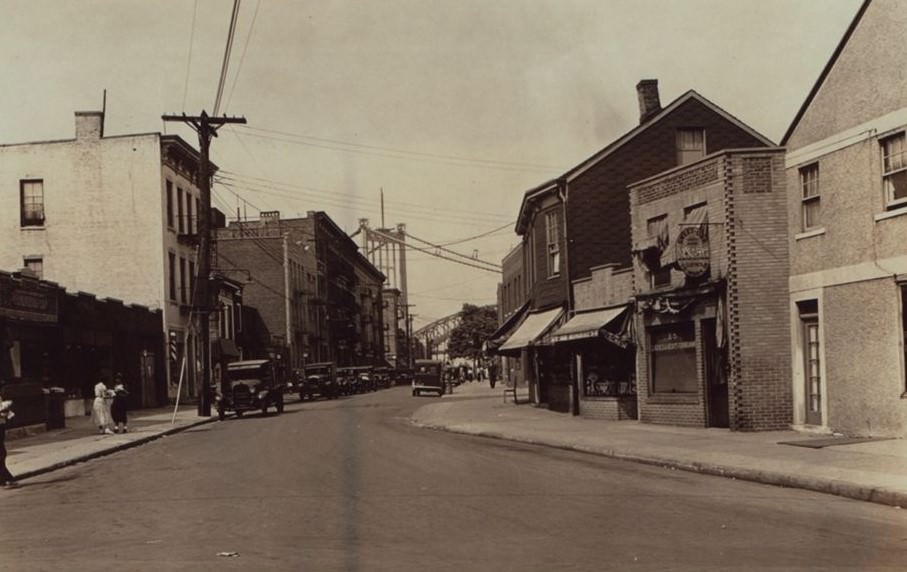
pixel 693 251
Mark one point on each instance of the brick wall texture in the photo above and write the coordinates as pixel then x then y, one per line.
pixel 598 214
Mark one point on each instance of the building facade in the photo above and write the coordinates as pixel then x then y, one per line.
pixel 847 198
pixel 111 215
pixel 579 222
pixel 711 268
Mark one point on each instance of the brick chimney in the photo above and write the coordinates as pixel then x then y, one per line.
pixel 649 104
pixel 89 125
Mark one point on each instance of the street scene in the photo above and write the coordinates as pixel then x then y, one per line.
pixel 453 285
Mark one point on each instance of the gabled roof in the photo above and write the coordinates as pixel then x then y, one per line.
pixel 541 190
pixel 639 129
pixel 825 71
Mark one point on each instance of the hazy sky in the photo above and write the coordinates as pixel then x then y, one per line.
pixel 454 107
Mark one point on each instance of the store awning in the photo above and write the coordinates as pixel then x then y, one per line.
pixel 590 324
pixel 533 327
pixel 494 341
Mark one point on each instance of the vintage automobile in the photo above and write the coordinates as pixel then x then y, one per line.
pixel 427 376
pixel 317 379
pixel 251 385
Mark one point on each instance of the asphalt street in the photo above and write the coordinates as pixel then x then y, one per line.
pixel 350 485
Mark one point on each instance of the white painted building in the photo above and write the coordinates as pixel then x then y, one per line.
pixel 113 216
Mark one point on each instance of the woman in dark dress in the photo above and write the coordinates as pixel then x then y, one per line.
pixel 118 407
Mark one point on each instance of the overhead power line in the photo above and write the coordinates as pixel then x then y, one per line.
pixel 447 250
pixel 400 155
pixel 189 61
pixel 406 151
pixel 242 57
pixel 227 50
pixel 472 263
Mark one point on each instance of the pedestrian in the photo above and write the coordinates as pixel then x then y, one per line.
pixel 100 411
pixel 6 413
pixel 118 407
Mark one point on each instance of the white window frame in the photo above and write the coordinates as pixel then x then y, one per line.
pixel 552 240
pixel 810 195
pixel 28 261
pixel 894 162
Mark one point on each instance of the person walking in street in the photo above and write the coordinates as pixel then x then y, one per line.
pixel 118 407
pixel 6 413
pixel 100 411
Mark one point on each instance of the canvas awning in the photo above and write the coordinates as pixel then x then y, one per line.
pixel 533 327
pixel 494 341
pixel 590 324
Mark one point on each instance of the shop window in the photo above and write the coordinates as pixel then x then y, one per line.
pixel 35 265
pixel 690 145
pixel 809 189
pixel 31 194
pixel 673 358
pixel 894 171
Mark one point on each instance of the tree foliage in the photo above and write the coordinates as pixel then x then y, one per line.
pixel 477 323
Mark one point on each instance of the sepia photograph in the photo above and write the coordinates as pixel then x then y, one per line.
pixel 453 285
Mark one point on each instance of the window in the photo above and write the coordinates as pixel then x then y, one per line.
pixel 894 171
pixel 690 145
pixel 904 324
pixel 171 267
pixel 169 204
pixel 183 283
pixel 189 218
pixel 552 237
pixel 809 189
pixel 31 194
pixel 197 211
pixel 179 210
pixel 191 281
pixel 657 228
pixel 34 264
pixel 673 351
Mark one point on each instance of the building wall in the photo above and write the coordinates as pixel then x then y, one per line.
pixel 598 204
pixel 760 382
pixel 859 87
pixel 103 206
pixel 546 291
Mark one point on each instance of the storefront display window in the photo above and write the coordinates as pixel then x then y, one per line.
pixel 673 364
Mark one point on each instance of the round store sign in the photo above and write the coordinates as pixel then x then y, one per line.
pixel 693 252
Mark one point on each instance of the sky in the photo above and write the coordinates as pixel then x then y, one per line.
pixel 453 107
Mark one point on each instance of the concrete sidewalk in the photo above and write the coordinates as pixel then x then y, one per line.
pixel 873 471
pixel 80 441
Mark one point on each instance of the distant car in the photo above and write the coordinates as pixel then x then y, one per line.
pixel 317 379
pixel 428 377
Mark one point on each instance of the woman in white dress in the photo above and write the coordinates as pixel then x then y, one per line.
pixel 100 411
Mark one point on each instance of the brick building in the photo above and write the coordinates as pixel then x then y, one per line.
pixel 847 198
pixel 512 306
pixel 313 290
pixel 111 215
pixel 580 221
pixel 711 267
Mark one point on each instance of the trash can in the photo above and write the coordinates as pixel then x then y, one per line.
pixel 56 415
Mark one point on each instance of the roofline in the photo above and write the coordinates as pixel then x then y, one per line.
pixel 826 70
pixel 73 139
pixel 773 150
pixel 369 267
pixel 173 138
pixel 627 137
pixel 513 251
pixel 530 196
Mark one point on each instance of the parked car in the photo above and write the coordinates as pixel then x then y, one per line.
pixel 318 379
pixel 251 385
pixel 427 376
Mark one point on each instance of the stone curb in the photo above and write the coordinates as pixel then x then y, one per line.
pixel 111 450
pixel 847 489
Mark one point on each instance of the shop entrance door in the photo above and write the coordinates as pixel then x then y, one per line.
pixel 811 370
pixel 716 377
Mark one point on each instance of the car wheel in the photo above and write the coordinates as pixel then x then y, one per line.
pixel 239 413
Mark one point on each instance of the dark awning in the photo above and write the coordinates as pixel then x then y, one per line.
pixel 592 324
pixel 500 335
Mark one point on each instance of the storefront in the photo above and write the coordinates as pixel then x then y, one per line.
pixel 538 361
pixel 597 344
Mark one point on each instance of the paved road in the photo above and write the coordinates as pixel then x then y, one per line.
pixel 349 485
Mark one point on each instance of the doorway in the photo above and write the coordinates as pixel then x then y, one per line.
pixel 715 376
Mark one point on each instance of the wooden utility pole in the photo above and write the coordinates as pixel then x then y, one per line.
pixel 202 302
